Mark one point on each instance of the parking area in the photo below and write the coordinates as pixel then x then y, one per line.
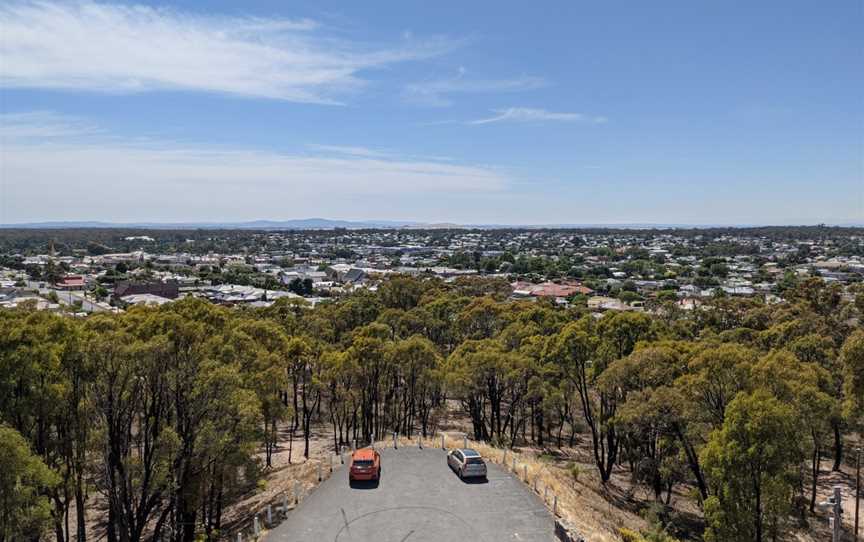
pixel 418 499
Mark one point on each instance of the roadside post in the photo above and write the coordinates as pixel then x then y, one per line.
pixel 465 441
pixel 284 505
pixel 857 491
pixel 555 506
pixel 239 537
pixel 395 446
pixel 525 472
pixel 838 510
pixel 256 528
pixel 835 521
pixel 319 472
pixel 442 441
pixel 296 492
pixel 269 515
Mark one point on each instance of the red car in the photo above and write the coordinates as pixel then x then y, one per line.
pixel 365 465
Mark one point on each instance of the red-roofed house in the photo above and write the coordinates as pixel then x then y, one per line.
pixel 71 282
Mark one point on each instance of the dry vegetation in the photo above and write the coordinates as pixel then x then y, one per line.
pixel 626 416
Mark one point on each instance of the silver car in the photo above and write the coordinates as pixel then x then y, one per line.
pixel 467 463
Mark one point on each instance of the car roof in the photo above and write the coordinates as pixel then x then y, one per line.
pixel 364 453
pixel 468 452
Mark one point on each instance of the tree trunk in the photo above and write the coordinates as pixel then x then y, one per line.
pixel 838 446
pixel 79 510
pixel 815 476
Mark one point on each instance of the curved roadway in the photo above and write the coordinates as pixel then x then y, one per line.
pixel 418 499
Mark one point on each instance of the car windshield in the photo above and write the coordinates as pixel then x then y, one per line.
pixel 474 461
pixel 362 462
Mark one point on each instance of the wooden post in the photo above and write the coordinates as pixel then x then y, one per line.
pixel 857 491
pixel 838 509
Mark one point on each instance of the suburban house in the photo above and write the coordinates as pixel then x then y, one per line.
pixel 548 289
pixel 71 282
pixel 168 290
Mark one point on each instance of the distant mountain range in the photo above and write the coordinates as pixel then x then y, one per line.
pixel 299 224
pixel 327 224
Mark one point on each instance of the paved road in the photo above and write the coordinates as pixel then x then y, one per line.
pixel 418 499
pixel 68 298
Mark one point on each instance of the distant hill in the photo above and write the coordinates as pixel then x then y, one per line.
pixel 328 224
pixel 298 224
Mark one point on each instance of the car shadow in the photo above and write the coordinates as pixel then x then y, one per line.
pixel 363 484
pixel 474 480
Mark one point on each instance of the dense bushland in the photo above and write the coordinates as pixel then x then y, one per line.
pixel 162 416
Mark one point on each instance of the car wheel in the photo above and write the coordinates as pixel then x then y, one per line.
pixel 461 476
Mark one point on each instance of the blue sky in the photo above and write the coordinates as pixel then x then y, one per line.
pixel 471 112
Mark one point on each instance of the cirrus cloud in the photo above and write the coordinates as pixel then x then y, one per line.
pixel 528 114
pixel 134 48
pixel 436 93
pixel 102 175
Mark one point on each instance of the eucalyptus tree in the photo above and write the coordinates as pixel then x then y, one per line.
pixel 25 511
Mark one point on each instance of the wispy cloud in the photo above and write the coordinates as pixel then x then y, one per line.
pixel 365 152
pixel 436 92
pixel 188 180
pixel 134 48
pixel 350 150
pixel 528 114
pixel 42 124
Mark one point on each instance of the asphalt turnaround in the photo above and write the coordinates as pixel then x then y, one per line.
pixel 418 499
